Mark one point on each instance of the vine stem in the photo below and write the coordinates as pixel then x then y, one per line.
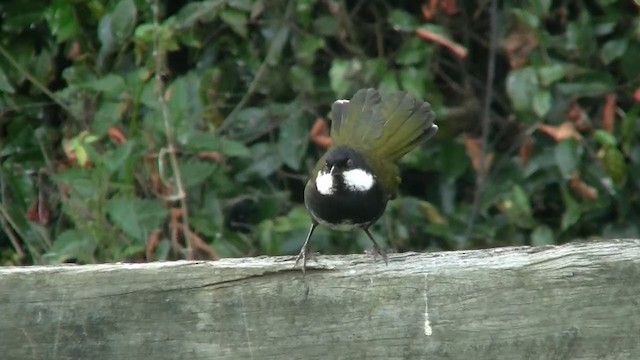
pixel 180 196
pixel 481 180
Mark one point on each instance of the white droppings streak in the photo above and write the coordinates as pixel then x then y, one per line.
pixel 427 325
pixel 358 180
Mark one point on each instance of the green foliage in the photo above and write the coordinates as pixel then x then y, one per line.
pixel 87 172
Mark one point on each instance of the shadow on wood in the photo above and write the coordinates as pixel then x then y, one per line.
pixel 578 301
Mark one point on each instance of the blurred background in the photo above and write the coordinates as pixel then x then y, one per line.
pixel 155 130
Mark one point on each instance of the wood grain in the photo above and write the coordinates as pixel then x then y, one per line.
pixel 578 301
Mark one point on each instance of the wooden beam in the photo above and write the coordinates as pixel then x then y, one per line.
pixel 578 301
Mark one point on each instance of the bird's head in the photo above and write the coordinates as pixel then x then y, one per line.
pixel 344 170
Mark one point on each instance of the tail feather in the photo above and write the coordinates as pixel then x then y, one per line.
pixel 388 127
pixel 357 119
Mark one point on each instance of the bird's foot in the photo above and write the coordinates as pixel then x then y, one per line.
pixel 379 251
pixel 304 255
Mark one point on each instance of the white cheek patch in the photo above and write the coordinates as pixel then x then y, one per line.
pixel 358 180
pixel 324 183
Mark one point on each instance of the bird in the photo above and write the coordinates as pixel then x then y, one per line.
pixel 352 182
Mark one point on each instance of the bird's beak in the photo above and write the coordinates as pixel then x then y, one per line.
pixel 331 171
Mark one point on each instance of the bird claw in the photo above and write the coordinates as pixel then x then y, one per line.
pixel 376 248
pixel 304 255
pixel 379 251
pixel 304 252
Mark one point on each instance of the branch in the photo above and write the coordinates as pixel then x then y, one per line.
pixel 486 113
pixel 158 56
pixel 457 49
pixel 35 81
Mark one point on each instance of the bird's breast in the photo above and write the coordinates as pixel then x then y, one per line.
pixel 346 200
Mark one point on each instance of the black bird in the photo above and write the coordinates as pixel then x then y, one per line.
pixel 352 183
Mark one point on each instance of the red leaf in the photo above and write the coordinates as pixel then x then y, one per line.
pixel 563 131
pixel 319 133
pixel 608 113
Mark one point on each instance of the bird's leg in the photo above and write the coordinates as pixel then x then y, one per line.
pixel 376 248
pixel 304 252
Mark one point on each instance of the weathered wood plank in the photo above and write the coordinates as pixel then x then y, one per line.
pixel 578 301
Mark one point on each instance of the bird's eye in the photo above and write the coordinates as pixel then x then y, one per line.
pixel 350 163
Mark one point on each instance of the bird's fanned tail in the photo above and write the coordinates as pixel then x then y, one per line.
pixel 388 127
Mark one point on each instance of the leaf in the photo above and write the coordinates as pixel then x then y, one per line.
pixel 581 188
pixel 197 12
pixel 105 36
pixel 110 83
pixel 551 73
pixel 76 148
pixel 266 161
pixel 624 230
pixel 401 20
pixel 389 83
pixel 62 21
pixel 629 63
pixel 301 79
pixel 609 112
pixel 542 235
pixel 521 40
pixel 71 244
pixel 580 36
pixel 412 52
pixel 568 153
pixel 293 139
pixel 454 161
pixel 307 46
pixel 613 49
pixel 566 130
pixel 628 128
pixel 473 146
pixel 42 66
pixel 184 103
pixel 210 142
pixel 614 164
pixel 195 172
pixel 572 212
pixel 541 7
pixel 79 182
pixel 325 25
pixel 541 102
pixel 522 84
pixel 236 19
pixel 123 21
pixel 277 44
pixel 435 229
pixel 431 213
pixel 4 83
pixel 339 75
pixel 517 208
pixel 526 148
pixel 246 5
pixel 584 89
pixel 250 122
pixel 527 17
pixel 319 133
pixel 234 148
pixel 107 115
pixel 136 217
pixel 115 159
pixel 413 80
pixel 604 137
